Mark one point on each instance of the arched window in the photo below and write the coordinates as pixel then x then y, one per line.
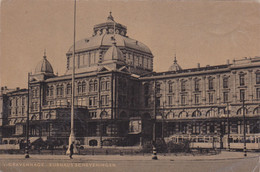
pixel 196 113
pixel 240 111
pixel 256 111
pixel 210 113
pixel 170 115
pixel 183 114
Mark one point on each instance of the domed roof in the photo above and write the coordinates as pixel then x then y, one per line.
pixel 44 66
pixel 175 66
pixel 114 53
pixel 104 36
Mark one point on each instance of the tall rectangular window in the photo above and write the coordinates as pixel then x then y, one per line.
pixel 170 87
pixel 211 84
pixel 196 85
pixel 183 99
pixel 211 98
pixel 225 97
pixel 183 86
pixel 170 100
pixel 225 82
pixel 242 95
pixel 242 80
pixel 196 98
pixel 257 78
pixel 257 93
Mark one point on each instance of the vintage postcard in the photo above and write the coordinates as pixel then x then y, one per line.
pixel 121 85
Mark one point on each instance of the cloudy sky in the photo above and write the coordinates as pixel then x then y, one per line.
pixel 205 32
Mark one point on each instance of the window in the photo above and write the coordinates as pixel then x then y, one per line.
pixel 225 97
pixel 59 90
pixel 68 89
pixel 104 100
pixel 183 99
pixel 91 86
pixel 225 82
pixel 197 99
pixel 48 91
pixel 257 78
pixel 183 86
pixel 23 100
pixel 83 87
pixel 146 101
pixel 95 85
pixel 51 91
pixel 107 85
pixel 103 85
pixel 158 87
pixel 211 98
pixel 170 87
pixel 146 89
pixel 242 95
pixel 196 85
pixel 79 88
pixel 211 84
pixel 170 100
pixel 90 101
pixel 242 79
pixel 257 93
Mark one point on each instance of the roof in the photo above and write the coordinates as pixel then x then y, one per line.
pixel 114 53
pixel 107 40
pixel 44 66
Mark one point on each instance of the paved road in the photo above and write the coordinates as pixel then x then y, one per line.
pixel 218 163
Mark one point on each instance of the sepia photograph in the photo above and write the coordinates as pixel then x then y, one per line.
pixel 123 86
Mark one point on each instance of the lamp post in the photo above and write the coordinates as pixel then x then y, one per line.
pixel 244 121
pixel 228 148
pixel 154 157
pixel 72 137
pixel 27 122
pixel 101 124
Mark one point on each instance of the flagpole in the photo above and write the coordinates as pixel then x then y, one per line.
pixel 72 135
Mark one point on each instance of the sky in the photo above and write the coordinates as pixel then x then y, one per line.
pixel 205 32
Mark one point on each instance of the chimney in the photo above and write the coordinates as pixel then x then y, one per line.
pixel 198 65
pixel 228 62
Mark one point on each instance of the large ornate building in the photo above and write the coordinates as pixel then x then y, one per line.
pixel 119 97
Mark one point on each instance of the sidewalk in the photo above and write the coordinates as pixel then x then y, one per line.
pixel 147 157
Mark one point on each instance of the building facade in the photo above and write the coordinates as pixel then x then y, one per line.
pixel 118 97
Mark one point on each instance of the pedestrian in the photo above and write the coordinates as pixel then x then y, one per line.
pixel 71 149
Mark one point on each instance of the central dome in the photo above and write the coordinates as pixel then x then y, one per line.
pixel 103 34
pixel 109 41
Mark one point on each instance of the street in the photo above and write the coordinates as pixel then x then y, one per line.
pixel 224 162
